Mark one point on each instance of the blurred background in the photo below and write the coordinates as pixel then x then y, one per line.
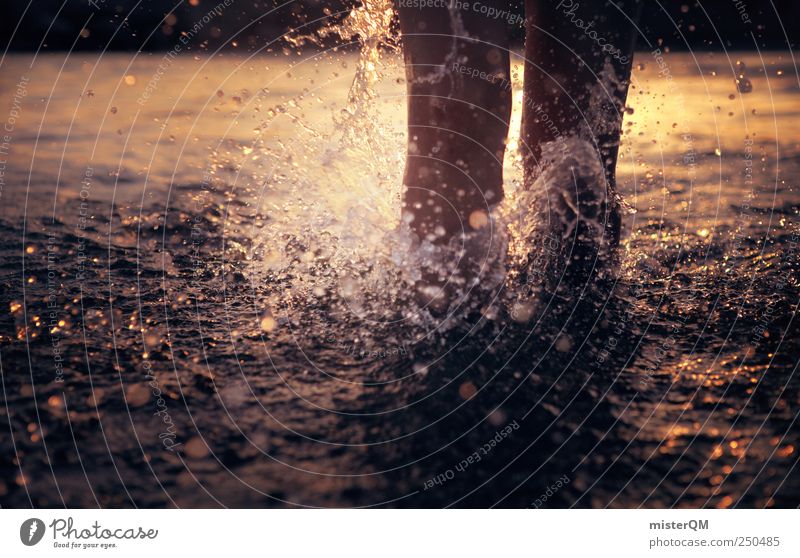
pixel 711 24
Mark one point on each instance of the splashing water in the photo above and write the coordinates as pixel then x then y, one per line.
pixel 340 232
pixel 675 388
pixel 336 231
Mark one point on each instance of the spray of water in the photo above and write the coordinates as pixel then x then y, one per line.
pixel 331 198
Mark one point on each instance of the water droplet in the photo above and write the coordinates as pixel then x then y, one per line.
pixel 522 312
pixel 744 85
pixel 478 219
pixel 268 323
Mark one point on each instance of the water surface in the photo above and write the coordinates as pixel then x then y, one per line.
pixel 204 301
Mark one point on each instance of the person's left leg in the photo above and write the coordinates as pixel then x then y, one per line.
pixel 578 60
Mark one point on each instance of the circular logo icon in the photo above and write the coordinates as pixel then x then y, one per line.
pixel 31 531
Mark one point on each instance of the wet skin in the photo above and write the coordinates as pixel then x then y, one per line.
pixel 577 67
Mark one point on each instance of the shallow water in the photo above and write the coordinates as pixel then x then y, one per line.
pixel 229 324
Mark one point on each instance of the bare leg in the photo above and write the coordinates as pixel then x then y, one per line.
pixel 577 68
pixel 459 106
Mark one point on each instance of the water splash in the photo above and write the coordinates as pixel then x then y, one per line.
pixel 332 205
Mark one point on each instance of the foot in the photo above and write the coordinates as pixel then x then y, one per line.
pixel 462 276
pixel 572 229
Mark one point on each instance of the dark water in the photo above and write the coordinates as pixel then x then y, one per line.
pixel 220 340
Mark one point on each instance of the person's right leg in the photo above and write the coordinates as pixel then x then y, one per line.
pixel 459 106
